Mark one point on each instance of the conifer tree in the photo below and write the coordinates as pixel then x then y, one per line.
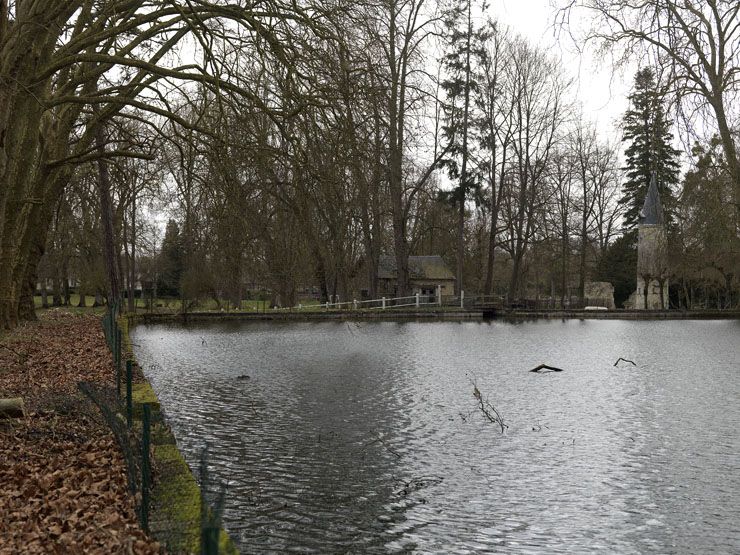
pixel 171 260
pixel 464 46
pixel 647 132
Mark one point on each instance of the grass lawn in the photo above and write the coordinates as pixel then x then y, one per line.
pixel 170 305
pixel 161 305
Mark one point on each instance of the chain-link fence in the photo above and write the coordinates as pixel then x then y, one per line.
pixel 179 512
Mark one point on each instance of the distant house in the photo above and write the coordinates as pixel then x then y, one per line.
pixel 425 274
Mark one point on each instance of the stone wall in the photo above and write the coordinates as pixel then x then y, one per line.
pixel 637 298
pixel 600 290
pixel 651 251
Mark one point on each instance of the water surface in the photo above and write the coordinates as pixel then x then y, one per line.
pixel 365 437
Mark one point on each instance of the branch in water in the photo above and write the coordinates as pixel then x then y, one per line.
pixel 488 410
pixel 546 367
pixel 625 360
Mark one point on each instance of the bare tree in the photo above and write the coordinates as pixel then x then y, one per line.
pixel 538 88
pixel 496 131
pixel 402 29
pixel 696 43
pixel 111 56
pixel 562 183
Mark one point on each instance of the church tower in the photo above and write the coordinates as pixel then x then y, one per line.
pixel 652 259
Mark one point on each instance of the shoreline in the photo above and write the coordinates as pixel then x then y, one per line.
pixel 176 495
pixel 451 315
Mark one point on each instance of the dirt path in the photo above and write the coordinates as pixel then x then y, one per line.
pixel 63 486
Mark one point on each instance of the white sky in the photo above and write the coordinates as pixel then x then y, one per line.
pixel 602 94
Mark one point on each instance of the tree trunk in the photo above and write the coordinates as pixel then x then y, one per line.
pixel 459 286
pixel 44 294
pixel 321 276
pixel 132 261
pixel 514 284
pixel 490 261
pixel 460 242
pixel 395 158
pixel 728 143
pixel 56 295
pixel 26 306
pixel 582 264
pixel 564 267
pixel 65 284
pixel 106 216
pixel 728 290
pixel 496 198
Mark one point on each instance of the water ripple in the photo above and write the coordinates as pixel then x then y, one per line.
pixel 371 442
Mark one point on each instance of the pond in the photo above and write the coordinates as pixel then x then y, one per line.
pixel 365 437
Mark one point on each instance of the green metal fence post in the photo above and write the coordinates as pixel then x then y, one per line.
pixel 203 502
pixel 129 399
pixel 117 359
pixel 106 330
pixel 145 468
pixel 118 344
pixel 209 529
pixel 210 540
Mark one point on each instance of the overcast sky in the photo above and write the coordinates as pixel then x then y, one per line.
pixel 603 95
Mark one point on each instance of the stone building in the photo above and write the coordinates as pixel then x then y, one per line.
pixel 426 273
pixel 652 258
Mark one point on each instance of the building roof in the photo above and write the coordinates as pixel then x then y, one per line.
pixel 652 209
pixel 420 267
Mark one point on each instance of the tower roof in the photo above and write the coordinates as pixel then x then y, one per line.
pixel 652 209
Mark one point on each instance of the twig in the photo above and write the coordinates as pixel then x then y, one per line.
pixel 379 439
pixel 625 360
pixel 546 367
pixel 21 356
pixel 488 410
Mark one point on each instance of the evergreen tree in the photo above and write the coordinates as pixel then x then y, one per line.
pixel 171 261
pixel 648 135
pixel 618 265
pixel 464 46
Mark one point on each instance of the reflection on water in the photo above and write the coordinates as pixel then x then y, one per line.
pixel 365 438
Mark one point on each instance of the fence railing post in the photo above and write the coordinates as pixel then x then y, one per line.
pixel 210 540
pixel 439 295
pixel 117 357
pixel 129 394
pixel 354 304
pixel 383 306
pixel 462 299
pixel 145 466
pixel 417 300
pixel 210 528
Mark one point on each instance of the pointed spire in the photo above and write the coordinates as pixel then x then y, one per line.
pixel 652 209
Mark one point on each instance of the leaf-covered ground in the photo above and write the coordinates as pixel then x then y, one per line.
pixel 63 485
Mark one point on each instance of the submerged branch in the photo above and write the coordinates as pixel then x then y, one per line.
pixel 625 360
pixel 546 367
pixel 488 410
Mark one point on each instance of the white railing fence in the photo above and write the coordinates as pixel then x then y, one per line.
pixel 417 300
